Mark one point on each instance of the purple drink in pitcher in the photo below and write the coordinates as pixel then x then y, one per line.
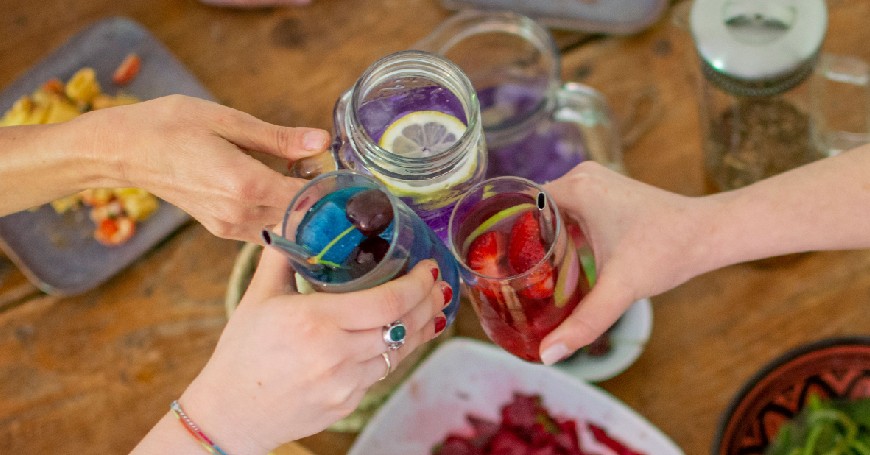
pixel 520 143
pixel 536 126
pixel 412 121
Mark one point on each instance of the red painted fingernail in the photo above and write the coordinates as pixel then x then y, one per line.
pixel 448 293
pixel 435 273
pixel 440 324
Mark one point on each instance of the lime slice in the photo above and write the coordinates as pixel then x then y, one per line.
pixel 493 220
pixel 421 134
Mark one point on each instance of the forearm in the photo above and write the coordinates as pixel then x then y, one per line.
pixel 41 163
pixel 824 205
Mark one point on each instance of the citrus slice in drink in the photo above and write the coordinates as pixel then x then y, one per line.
pixel 420 135
pixel 490 222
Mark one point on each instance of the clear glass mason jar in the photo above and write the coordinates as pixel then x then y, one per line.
pixel 420 96
pixel 536 126
pixel 756 59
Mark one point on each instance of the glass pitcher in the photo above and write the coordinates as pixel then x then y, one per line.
pixel 412 121
pixel 536 127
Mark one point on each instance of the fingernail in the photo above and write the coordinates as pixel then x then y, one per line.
pixel 440 324
pixel 554 354
pixel 447 291
pixel 435 273
pixel 314 140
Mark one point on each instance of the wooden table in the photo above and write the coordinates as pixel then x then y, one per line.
pixel 92 373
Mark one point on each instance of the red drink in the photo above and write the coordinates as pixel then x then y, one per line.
pixel 521 269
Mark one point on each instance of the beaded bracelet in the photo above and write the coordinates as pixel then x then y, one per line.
pixel 194 430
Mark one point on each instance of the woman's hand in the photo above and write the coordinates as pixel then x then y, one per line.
pixel 641 236
pixel 288 366
pixel 191 152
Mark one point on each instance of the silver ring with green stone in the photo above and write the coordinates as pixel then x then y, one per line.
pixel 394 335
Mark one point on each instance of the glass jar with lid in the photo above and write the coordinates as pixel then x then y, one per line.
pixel 756 58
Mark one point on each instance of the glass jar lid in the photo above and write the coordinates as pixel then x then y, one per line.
pixel 758 47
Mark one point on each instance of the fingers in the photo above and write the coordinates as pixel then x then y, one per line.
pixel 272 277
pixel 383 304
pixel 251 133
pixel 597 311
pixel 420 326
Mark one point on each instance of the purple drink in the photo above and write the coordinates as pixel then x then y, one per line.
pixel 520 143
pixel 412 121
pixel 378 114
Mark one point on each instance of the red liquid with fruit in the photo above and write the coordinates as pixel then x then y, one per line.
pixel 527 279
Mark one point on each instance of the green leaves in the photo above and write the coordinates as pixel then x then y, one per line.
pixel 828 427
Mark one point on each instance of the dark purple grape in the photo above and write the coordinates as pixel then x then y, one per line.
pixel 367 255
pixel 370 211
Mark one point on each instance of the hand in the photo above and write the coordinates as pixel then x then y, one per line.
pixel 191 152
pixel 641 237
pixel 287 366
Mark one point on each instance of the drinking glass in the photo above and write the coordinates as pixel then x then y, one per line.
pixel 520 267
pixel 317 220
pixel 412 121
pixel 535 125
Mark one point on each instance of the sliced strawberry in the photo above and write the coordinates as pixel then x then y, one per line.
pixel 525 248
pixel 485 252
pixel 525 251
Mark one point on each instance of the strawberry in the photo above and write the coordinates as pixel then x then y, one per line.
pixel 525 248
pixel 485 252
pixel 525 251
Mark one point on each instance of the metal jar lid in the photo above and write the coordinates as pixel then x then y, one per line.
pixel 758 47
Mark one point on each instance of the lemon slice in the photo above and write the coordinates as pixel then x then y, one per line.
pixel 421 134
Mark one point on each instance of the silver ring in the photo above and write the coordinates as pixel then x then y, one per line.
pixel 389 369
pixel 394 335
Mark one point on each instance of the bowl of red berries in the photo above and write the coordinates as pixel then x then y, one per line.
pixel 472 398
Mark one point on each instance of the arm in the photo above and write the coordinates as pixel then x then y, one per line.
pixel 188 151
pixel 287 366
pixel 647 240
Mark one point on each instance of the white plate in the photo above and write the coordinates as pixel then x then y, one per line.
pixel 628 338
pixel 466 376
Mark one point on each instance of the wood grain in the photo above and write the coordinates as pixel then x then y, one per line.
pixel 90 374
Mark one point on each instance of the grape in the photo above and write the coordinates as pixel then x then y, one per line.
pixel 370 211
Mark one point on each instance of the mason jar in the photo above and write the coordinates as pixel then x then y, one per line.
pixel 756 59
pixel 412 121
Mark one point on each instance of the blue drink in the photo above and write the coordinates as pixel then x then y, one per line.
pixel 360 236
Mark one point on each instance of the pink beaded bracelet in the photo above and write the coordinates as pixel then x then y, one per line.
pixel 194 430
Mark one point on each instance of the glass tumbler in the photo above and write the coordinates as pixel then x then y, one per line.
pixel 536 127
pixel 520 267
pixel 318 220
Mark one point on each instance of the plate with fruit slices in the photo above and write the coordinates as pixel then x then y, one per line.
pixel 615 350
pixel 465 385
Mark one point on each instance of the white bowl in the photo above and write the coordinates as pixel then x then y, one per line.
pixel 466 376
pixel 628 338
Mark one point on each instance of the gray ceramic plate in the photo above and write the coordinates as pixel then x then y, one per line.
pixel 58 252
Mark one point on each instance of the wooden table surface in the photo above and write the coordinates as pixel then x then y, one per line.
pixel 90 374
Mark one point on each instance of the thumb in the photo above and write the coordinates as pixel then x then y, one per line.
pixel 273 277
pixel 600 309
